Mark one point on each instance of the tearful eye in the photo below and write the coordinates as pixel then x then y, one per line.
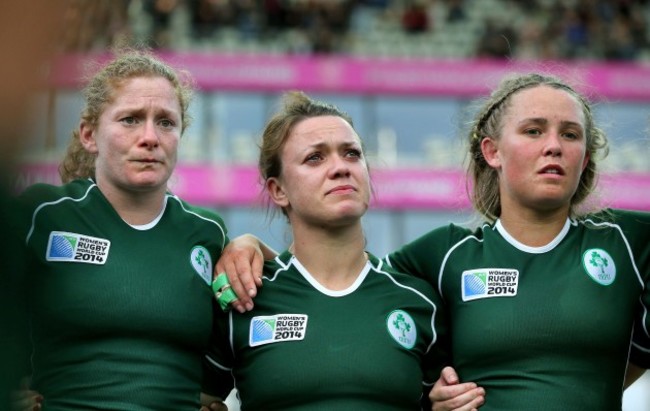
pixel 314 157
pixel 167 123
pixel 533 132
pixel 353 153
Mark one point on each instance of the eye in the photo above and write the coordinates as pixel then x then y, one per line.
pixel 166 123
pixel 354 153
pixel 129 120
pixel 571 135
pixel 314 157
pixel 533 131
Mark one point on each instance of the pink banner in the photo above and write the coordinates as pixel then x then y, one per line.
pixel 400 189
pixel 469 78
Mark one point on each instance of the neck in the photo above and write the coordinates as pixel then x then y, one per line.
pixel 334 257
pixel 136 208
pixel 534 229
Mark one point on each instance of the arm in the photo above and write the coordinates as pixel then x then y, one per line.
pixel 26 399
pixel 211 403
pixel 448 394
pixel 632 374
pixel 242 260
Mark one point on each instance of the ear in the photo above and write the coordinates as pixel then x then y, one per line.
pixel 276 192
pixel 585 161
pixel 490 150
pixel 87 137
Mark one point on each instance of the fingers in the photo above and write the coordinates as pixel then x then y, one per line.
pixel 218 406
pixel 26 400
pixel 469 401
pixel 448 374
pixel 257 269
pixel 459 397
pixel 242 261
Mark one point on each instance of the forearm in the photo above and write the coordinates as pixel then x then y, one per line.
pixel 632 374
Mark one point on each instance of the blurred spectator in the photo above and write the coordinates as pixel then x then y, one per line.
pixel 206 16
pixel 455 11
pixel 415 18
pixel 498 41
pixel 98 24
pixel 160 12
pixel 576 34
pixel 619 43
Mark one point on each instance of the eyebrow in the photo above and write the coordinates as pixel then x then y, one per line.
pixel 351 143
pixel 544 121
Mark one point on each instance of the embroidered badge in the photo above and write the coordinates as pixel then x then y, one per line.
pixel 76 248
pixel 599 265
pixel 202 263
pixel 489 282
pixel 402 328
pixel 277 328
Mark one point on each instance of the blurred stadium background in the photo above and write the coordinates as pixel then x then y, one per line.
pixel 407 71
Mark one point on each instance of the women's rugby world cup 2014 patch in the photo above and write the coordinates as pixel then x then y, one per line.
pixel 489 282
pixel 76 248
pixel 277 328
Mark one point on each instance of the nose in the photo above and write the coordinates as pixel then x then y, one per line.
pixel 149 137
pixel 553 145
pixel 340 167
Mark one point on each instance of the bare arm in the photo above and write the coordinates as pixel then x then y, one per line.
pixel 632 374
pixel 242 260
pixel 211 403
pixel 448 394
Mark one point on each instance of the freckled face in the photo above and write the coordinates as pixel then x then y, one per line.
pixel 324 177
pixel 136 138
pixel 541 152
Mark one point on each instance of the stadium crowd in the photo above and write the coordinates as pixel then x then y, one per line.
pixel 611 30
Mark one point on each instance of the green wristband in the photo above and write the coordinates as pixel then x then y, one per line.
pixel 222 291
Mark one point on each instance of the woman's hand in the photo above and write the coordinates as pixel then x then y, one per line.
pixel 26 399
pixel 242 260
pixel 448 394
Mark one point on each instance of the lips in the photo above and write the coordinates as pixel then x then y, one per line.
pixel 147 160
pixel 342 189
pixel 552 169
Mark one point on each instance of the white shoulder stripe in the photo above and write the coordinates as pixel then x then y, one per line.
pixel 216 364
pixel 434 308
pixel 49 203
pixel 223 232
pixel 627 245
pixel 447 254
pixel 283 267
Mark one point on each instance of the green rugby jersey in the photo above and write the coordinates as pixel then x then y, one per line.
pixel 542 328
pixel 372 346
pixel 120 315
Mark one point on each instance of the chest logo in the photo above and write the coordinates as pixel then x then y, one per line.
pixel 402 328
pixel 599 265
pixel 202 263
pixel 76 248
pixel 489 282
pixel 277 328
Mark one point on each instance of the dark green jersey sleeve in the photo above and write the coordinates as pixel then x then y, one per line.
pixel 218 361
pixel 636 229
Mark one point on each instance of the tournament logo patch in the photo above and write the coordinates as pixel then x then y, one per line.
pixel 402 328
pixel 202 263
pixel 599 265
pixel 489 282
pixel 277 328
pixel 76 248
